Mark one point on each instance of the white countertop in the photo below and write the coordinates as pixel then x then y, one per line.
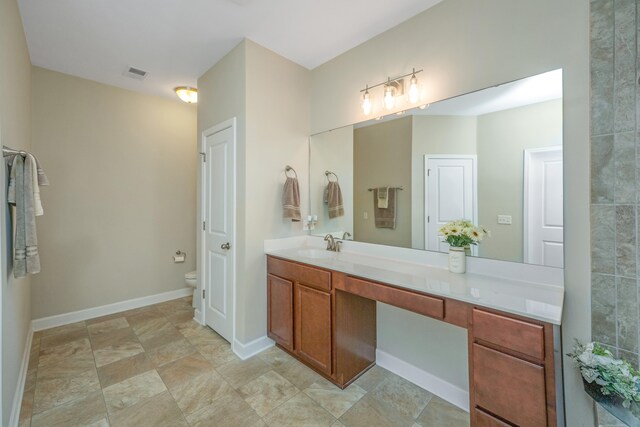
pixel 538 301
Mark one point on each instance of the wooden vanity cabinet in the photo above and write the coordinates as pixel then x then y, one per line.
pixel 327 320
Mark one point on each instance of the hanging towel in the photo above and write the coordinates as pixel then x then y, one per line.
pixel 334 199
pixel 383 197
pixel 11 191
pixel 37 203
pixel 385 217
pixel 42 181
pixel 291 200
pixel 25 248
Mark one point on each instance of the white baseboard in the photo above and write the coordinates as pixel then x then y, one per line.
pixel 197 317
pixel 22 378
pixel 441 388
pixel 104 310
pixel 245 351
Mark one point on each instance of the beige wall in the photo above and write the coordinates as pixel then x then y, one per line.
pixel 15 132
pixel 466 45
pixel 122 167
pixel 270 97
pixel 502 138
pixel 331 151
pixel 381 157
pixel 435 135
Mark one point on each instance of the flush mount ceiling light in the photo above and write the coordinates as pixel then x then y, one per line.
pixel 392 89
pixel 187 94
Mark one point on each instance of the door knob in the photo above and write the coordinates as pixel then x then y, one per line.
pixel 225 246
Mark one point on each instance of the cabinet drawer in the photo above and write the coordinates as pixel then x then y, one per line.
pixel 310 276
pixel 485 420
pixel 509 387
pixel 419 303
pixel 517 335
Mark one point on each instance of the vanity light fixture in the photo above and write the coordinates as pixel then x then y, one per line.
pixel 187 94
pixel 392 89
pixel 414 94
pixel 366 102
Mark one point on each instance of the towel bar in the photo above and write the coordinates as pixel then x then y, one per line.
pixel 327 173
pixel 6 151
pixel 397 188
pixel 290 169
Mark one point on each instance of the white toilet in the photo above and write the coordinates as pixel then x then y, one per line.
pixel 191 279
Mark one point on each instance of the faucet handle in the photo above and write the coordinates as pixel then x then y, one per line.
pixel 337 245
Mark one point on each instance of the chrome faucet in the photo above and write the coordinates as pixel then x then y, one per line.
pixel 346 235
pixel 333 245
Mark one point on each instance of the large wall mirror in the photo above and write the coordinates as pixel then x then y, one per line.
pixel 493 156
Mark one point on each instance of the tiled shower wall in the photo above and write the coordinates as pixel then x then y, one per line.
pixel 615 176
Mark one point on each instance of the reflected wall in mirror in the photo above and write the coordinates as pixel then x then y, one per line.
pixel 493 156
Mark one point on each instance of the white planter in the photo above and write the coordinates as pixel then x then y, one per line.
pixel 457 260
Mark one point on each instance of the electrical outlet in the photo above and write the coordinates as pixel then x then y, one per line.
pixel 365 215
pixel 504 219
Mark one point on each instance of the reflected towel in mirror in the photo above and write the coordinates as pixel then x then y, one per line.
pixel 385 217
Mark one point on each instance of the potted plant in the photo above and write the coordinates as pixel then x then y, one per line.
pixel 611 382
pixel 459 235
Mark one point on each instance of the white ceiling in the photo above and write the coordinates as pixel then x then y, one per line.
pixel 176 41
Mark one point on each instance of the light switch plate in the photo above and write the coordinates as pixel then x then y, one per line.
pixel 365 215
pixel 504 219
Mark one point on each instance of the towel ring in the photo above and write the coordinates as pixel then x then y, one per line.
pixel 327 173
pixel 290 169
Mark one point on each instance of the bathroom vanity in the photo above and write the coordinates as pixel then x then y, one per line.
pixel 322 310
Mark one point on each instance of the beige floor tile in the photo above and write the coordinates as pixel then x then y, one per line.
pixel 299 374
pixel 140 320
pixel 275 357
pixel 363 414
pixel 123 369
pixel 203 336
pixel 337 424
pixel 132 390
pixel 300 410
pixel 114 353
pixel 170 352
pixel 73 350
pixel 199 392
pixel 62 338
pixel 228 411
pixel 65 328
pixel 149 326
pixel 26 407
pixel 440 413
pixel 240 372
pixel 372 378
pixel 334 400
pixel 184 369
pixel 218 355
pixel 400 400
pixel 108 326
pixel 181 316
pixel 54 392
pixel 66 368
pixel 157 338
pixel 80 412
pixel 157 411
pixel 267 392
pixel 115 337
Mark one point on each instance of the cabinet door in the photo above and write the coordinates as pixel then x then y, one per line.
pixel 509 387
pixel 280 311
pixel 313 327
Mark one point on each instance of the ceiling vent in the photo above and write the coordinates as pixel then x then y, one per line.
pixel 136 73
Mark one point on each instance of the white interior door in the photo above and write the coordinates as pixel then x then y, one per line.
pixel 450 184
pixel 218 262
pixel 543 214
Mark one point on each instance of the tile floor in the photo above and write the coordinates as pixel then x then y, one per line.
pixel 155 366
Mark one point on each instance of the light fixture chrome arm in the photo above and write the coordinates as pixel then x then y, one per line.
pixel 391 80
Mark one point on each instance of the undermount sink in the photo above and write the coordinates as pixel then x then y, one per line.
pixel 316 253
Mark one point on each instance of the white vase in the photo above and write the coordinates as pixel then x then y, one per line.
pixel 457 260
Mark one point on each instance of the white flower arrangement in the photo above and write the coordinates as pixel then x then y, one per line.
pixel 614 377
pixel 462 232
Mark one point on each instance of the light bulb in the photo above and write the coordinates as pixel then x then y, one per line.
pixel 413 89
pixel 366 103
pixel 389 100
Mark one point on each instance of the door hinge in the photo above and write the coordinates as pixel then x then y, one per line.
pixel 204 225
pixel 428 172
pixel 428 218
pixel 203 294
pixel 204 156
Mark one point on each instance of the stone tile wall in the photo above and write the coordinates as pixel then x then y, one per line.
pixel 614 175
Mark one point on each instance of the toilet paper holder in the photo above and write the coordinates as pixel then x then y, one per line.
pixel 179 256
